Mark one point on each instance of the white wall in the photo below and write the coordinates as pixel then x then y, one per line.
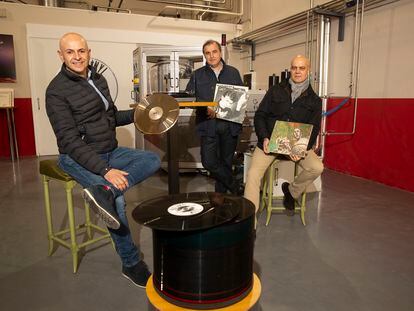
pixel 112 38
pixel 264 12
pixel 132 28
pixel 387 47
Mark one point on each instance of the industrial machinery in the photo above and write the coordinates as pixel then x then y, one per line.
pixel 167 69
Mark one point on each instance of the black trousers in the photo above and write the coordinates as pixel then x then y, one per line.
pixel 217 154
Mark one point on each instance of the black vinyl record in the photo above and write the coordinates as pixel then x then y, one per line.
pixel 188 211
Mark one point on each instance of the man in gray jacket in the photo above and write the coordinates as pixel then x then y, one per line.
pixel 84 118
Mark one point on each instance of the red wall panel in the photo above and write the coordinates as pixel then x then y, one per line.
pixel 23 119
pixel 382 148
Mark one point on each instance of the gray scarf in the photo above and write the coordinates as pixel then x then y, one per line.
pixel 298 88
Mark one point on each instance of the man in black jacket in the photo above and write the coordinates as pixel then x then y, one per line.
pixel 295 101
pixel 84 118
pixel 218 138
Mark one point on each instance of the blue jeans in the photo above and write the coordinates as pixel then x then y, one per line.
pixel 217 154
pixel 140 165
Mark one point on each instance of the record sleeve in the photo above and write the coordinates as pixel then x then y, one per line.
pixel 290 138
pixel 232 102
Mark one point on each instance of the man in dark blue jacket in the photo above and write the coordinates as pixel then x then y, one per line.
pixel 84 118
pixel 218 138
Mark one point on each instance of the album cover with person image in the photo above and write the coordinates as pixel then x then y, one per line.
pixel 231 102
pixel 290 138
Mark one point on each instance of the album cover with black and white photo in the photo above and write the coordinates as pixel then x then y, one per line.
pixel 231 102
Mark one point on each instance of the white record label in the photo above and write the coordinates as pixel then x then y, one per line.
pixel 185 209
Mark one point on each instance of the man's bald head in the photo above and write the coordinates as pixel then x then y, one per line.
pixel 70 37
pixel 74 52
pixel 299 68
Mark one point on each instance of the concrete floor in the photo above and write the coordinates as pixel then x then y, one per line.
pixel 356 252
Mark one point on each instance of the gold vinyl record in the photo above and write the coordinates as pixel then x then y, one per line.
pixel 156 114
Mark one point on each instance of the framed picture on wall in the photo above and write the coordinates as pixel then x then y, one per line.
pixel 7 59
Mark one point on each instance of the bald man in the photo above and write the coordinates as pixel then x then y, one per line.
pixel 292 100
pixel 84 118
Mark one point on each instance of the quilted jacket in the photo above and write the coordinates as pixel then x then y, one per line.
pixel 83 127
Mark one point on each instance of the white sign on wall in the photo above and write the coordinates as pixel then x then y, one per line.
pixel 6 98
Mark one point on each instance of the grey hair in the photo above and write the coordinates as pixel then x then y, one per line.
pixel 211 41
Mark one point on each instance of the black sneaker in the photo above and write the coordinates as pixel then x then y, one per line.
pixel 102 202
pixel 237 188
pixel 138 274
pixel 288 200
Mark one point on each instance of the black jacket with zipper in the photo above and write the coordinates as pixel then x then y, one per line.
pixel 277 105
pixel 83 128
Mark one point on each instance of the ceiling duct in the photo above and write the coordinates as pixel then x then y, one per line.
pixel 52 3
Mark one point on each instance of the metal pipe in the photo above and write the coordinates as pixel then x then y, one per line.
pixel 354 50
pixel 265 40
pixel 300 15
pixel 321 57
pixel 307 36
pixel 324 83
pixel 312 30
pixel 335 5
pixel 326 56
pixel 203 10
pixel 181 3
pixel 200 17
pixel 270 26
pixel 358 58
pixel 277 49
pixel 96 7
pixel 309 32
pixel 315 60
pixel 251 15
pixel 299 24
pixel 190 4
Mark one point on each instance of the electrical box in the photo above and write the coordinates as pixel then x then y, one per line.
pixel 6 98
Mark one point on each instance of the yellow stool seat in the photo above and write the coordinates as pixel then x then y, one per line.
pixel 273 203
pixel 245 304
pixel 50 171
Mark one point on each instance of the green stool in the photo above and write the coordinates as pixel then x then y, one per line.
pixel 50 171
pixel 275 203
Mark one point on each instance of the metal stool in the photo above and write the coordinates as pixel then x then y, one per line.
pixel 275 203
pixel 50 171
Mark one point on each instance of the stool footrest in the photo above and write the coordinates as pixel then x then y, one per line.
pixel 97 228
pixel 81 227
pixel 93 240
pixel 56 237
pixel 61 242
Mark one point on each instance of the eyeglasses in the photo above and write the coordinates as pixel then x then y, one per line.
pixel 294 68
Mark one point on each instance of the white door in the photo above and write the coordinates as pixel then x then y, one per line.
pixel 44 64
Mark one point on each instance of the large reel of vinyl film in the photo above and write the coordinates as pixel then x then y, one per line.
pixel 203 247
